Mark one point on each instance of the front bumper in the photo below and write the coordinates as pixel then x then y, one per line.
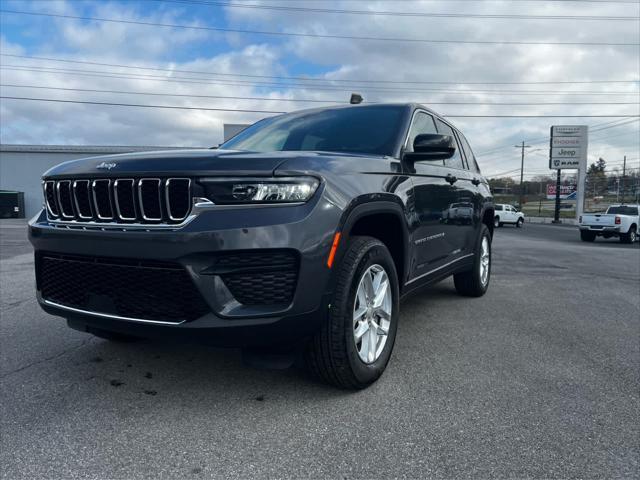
pixel 306 229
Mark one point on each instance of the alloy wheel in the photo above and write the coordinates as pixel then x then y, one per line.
pixel 485 261
pixel 372 313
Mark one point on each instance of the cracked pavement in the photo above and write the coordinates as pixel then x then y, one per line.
pixel 539 378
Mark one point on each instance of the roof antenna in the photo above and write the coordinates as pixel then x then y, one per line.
pixel 356 99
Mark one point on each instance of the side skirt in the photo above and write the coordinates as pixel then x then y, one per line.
pixel 460 264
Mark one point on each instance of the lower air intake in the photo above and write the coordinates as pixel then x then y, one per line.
pixel 143 290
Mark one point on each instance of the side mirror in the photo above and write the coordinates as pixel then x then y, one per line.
pixel 432 146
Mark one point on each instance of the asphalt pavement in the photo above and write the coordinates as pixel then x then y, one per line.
pixel 538 378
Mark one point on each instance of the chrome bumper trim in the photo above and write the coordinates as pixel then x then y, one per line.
pixel 106 315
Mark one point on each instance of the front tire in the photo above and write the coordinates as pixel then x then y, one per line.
pixel 354 345
pixel 519 223
pixel 475 282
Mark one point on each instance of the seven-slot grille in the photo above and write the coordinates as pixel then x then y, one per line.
pixel 118 200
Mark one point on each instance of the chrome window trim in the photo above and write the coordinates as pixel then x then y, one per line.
pixel 144 216
pixel 106 315
pixel 75 199
pixel 133 198
pixel 166 193
pixel 95 199
pixel 413 118
pixel 63 214
pixel 46 198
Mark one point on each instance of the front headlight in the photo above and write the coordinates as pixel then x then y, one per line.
pixel 229 191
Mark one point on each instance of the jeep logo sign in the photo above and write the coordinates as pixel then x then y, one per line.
pixel 568 146
pixel 106 165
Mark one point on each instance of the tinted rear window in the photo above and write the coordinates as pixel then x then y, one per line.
pixel 370 130
pixel 623 210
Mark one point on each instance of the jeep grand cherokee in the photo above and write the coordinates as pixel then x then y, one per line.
pixel 303 230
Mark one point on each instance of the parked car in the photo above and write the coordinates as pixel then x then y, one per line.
pixel 509 215
pixel 301 233
pixel 619 221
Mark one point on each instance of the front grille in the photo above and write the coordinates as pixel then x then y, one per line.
pixel 144 290
pixel 267 277
pixel 121 200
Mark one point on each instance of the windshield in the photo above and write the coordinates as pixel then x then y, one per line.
pixel 623 210
pixel 369 129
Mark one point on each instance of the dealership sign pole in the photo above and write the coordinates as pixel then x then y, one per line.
pixel 568 151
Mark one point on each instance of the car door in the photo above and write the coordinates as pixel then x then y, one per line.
pixel 510 214
pixel 465 189
pixel 434 201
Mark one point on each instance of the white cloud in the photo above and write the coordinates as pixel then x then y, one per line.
pixel 199 50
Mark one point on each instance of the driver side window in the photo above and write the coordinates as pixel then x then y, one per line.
pixel 422 123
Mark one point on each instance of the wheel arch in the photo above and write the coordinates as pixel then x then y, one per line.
pixel 488 215
pixel 384 220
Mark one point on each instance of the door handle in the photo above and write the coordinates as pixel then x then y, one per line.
pixel 451 179
pixel 475 181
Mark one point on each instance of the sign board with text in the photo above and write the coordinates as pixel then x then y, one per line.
pixel 565 191
pixel 568 148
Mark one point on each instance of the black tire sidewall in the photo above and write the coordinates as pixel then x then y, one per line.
pixel 376 254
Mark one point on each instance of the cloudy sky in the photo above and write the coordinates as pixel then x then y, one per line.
pixel 206 54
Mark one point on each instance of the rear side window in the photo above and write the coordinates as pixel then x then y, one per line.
pixel 623 210
pixel 468 153
pixel 498 208
pixel 456 160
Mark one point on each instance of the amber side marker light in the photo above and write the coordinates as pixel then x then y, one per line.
pixel 334 247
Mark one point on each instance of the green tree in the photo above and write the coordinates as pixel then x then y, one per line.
pixel 598 167
pixel 597 178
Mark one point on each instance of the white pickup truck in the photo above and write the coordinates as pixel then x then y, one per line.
pixel 619 221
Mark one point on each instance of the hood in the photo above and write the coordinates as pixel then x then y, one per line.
pixel 172 163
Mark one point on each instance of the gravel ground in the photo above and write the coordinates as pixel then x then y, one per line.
pixel 539 378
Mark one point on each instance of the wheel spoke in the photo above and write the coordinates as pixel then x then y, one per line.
pixel 382 313
pixel 367 281
pixel 359 312
pixel 360 330
pixel 383 330
pixel 381 292
pixel 373 345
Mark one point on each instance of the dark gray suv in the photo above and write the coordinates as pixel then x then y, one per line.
pixel 301 233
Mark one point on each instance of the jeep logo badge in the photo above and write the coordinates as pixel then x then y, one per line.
pixel 106 166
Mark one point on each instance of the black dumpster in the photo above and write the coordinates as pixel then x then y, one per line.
pixel 11 204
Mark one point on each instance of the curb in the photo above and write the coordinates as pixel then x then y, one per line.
pixel 549 220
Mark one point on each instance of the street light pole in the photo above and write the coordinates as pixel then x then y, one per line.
pixel 521 200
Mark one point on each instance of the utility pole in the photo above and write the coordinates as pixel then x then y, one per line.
pixel 624 176
pixel 521 201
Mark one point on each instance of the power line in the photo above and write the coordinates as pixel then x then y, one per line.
pixel 593 129
pixel 341 88
pixel 315 35
pixel 113 104
pixel 287 8
pixel 178 107
pixel 300 100
pixel 309 79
